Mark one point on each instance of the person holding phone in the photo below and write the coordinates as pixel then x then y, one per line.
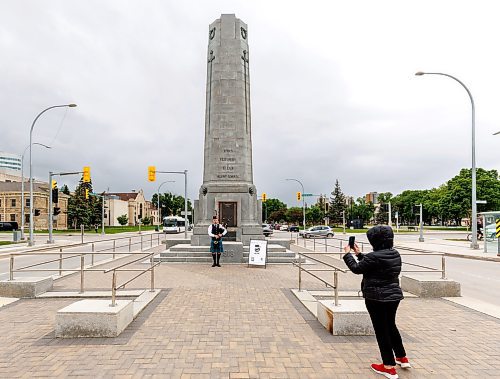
pixel 382 293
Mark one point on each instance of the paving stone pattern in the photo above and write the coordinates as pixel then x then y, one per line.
pixel 239 322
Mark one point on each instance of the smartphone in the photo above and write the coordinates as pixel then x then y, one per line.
pixel 351 242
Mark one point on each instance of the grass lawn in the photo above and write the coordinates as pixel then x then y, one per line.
pixel 6 243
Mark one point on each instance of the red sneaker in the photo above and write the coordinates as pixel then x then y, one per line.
pixel 387 372
pixel 403 362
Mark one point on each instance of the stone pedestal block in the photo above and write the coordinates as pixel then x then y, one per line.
pixel 25 287
pixel 233 252
pixel 426 286
pixel 350 318
pixel 94 318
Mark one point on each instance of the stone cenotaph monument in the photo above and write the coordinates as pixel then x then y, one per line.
pixel 228 190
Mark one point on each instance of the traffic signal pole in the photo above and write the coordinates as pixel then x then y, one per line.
pixel 50 217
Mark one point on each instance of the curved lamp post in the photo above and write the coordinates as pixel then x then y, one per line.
pixel 22 185
pixel 31 241
pixel 159 209
pixel 303 201
pixel 474 244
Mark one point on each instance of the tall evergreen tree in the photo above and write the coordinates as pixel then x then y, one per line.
pixel 337 204
pixel 82 211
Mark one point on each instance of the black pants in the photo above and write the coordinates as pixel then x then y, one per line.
pixel 383 315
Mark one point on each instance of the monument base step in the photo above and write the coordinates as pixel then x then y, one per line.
pixel 201 254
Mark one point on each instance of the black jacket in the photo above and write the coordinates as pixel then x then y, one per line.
pixel 380 271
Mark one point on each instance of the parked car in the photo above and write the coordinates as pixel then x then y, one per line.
pixel 293 228
pixel 267 230
pixel 284 228
pixel 277 227
pixel 9 225
pixel 317 231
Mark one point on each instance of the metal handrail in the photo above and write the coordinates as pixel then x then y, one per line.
pixel 335 270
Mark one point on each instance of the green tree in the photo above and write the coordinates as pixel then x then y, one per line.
pixel 146 220
pixel 82 211
pixel 294 215
pixel 362 210
pixel 170 204
pixel 271 206
pixel 382 215
pixel 122 220
pixel 277 216
pixel 65 190
pixel 314 215
pixel 337 204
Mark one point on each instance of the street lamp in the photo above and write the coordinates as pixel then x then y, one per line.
pixel 31 241
pixel 159 209
pixel 303 201
pixel 22 185
pixel 474 244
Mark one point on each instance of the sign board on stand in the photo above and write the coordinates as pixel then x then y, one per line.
pixel 258 253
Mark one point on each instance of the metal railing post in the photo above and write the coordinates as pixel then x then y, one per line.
pixel 141 241
pixel 82 227
pixel 113 290
pixel 443 267
pixel 326 247
pixel 82 264
pixel 11 268
pixel 92 256
pixel 114 248
pixel 340 248
pixel 336 287
pixel 158 239
pixel 60 261
pixel 152 275
pixel 129 244
pixel 314 244
pixel 300 273
pixel 151 241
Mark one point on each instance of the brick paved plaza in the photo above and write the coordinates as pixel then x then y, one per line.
pixel 239 322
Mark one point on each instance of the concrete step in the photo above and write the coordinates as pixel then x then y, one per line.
pixel 170 253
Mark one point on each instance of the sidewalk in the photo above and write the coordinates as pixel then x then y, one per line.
pixel 452 248
pixel 239 322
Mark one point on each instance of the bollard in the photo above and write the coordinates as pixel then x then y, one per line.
pixel 113 290
pixel 300 272
pixel 60 261
pixel 82 263
pixel 11 269
pixel 443 267
pixel 336 286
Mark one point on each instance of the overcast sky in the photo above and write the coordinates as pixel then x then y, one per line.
pixel 333 90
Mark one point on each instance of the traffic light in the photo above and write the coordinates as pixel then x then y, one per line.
pixel 86 193
pixel 55 195
pixel 54 184
pixel 152 173
pixel 264 197
pixel 57 210
pixel 86 174
pixel 299 196
pixel 37 212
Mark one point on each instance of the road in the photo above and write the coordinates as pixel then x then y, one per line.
pixel 479 279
